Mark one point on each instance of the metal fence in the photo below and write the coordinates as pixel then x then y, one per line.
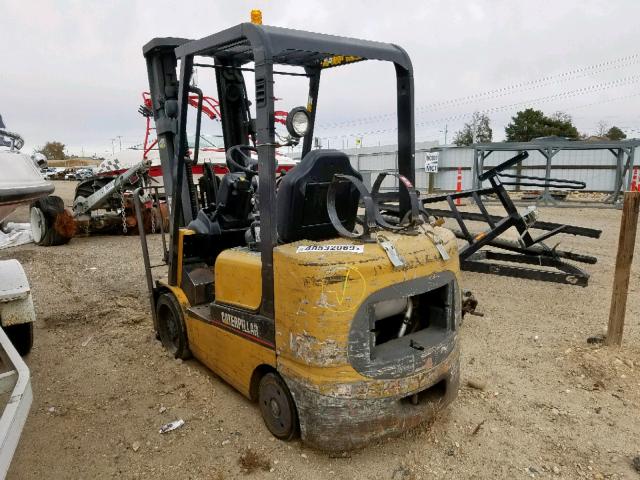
pixel 597 168
pixel 370 161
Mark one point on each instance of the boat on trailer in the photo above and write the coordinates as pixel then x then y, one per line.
pixel 21 181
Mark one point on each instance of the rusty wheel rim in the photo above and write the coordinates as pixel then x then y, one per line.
pixel 276 409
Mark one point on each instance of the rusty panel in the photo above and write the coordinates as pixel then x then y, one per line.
pixel 356 418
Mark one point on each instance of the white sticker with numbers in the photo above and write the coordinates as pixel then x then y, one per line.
pixel 330 248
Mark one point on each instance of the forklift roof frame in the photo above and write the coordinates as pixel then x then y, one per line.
pixel 267 46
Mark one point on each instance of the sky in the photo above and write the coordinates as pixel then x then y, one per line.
pixel 73 71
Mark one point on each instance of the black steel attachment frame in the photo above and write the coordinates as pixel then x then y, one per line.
pixel 535 259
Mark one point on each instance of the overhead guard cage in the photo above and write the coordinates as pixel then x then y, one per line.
pixel 267 46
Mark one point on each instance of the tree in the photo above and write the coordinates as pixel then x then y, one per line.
pixel 560 124
pixel 561 116
pixel 601 128
pixel 529 124
pixel 53 151
pixel 614 133
pixel 476 131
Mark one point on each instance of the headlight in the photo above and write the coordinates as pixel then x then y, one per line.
pixel 298 122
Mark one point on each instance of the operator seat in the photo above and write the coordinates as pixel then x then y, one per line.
pixel 222 225
pixel 302 197
pixel 231 210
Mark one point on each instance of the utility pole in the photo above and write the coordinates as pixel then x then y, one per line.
pixel 446 130
pixel 622 273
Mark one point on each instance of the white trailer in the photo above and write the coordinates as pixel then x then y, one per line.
pixel 16 397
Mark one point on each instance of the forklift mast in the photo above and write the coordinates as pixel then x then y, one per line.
pixel 164 91
pixel 163 87
pixel 235 115
pixel 237 126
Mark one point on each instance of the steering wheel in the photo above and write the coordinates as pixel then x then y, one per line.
pixel 248 166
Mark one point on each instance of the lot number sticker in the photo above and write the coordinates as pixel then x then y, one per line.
pixel 331 248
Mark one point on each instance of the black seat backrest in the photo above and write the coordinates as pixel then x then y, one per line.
pixel 302 197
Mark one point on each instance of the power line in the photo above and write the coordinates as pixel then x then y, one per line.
pixel 545 81
pixel 500 92
pixel 436 129
pixel 586 105
pixel 608 100
pixel 558 96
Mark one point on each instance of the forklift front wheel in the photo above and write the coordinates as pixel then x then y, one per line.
pixel 277 407
pixel 171 327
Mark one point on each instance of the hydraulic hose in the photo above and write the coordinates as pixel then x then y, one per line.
pixel 407 318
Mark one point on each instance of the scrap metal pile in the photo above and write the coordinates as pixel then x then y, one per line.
pixel 102 205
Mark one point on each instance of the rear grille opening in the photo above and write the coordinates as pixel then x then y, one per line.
pixel 428 395
pixel 397 318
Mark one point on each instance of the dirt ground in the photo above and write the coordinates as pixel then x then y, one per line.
pixel 552 405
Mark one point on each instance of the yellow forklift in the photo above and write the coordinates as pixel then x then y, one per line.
pixel 340 321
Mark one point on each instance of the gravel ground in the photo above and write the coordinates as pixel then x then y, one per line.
pixel 549 404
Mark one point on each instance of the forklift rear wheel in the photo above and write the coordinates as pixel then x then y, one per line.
pixel 21 336
pixel 171 327
pixel 277 407
pixel 51 225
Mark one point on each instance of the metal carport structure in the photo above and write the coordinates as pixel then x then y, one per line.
pixel 549 147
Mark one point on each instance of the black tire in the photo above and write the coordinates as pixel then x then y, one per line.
pixel 277 407
pixel 21 335
pixel 171 328
pixel 44 214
